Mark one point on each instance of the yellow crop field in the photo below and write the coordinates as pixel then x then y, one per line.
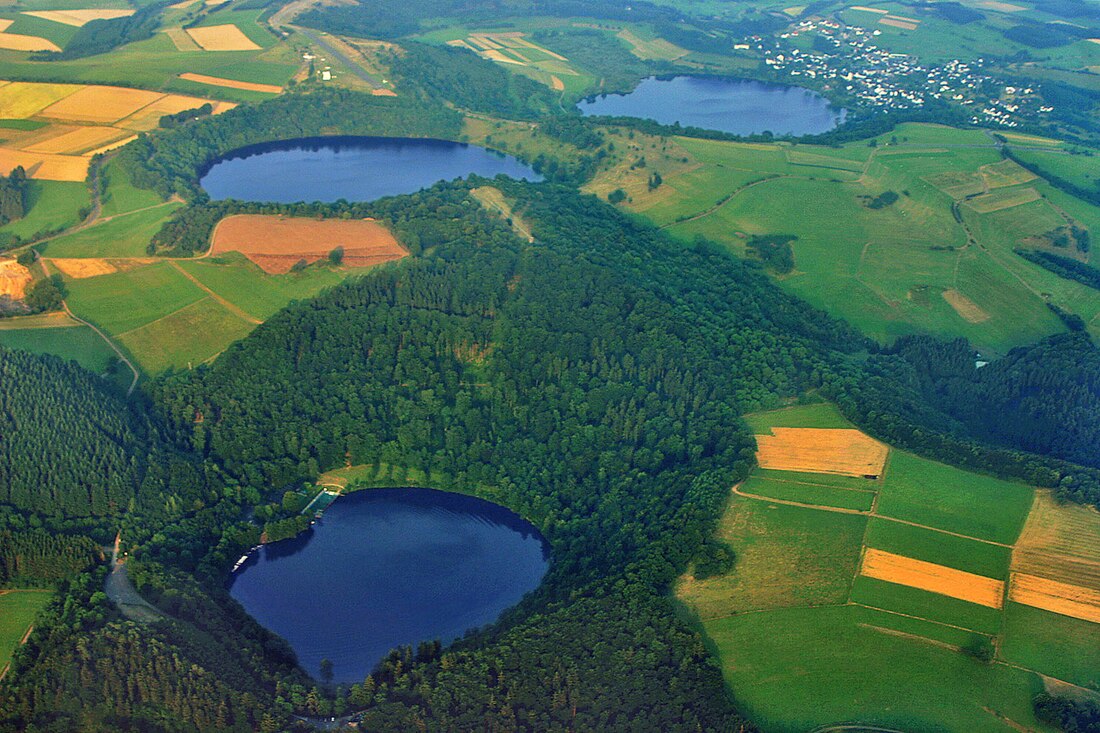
pixel 182 41
pixel 934 578
pixel 222 38
pixel 21 99
pixel 100 104
pixel 17 42
pixel 819 450
pixel 79 140
pixel 218 81
pixel 1003 199
pixel 79 18
pixel 1057 597
pixel 148 117
pixel 1061 541
pixel 44 166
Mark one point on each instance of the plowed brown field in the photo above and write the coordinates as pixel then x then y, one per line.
pixel 276 243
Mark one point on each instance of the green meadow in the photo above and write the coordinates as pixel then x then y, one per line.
pixel 912 266
pixel 52 205
pixel 17 611
pixel 74 343
pixel 124 235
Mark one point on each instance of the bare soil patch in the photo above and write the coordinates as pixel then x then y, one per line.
pixel 1057 597
pixel 898 24
pixel 14 279
pixel 965 307
pixel 934 578
pixel 276 243
pixel 817 450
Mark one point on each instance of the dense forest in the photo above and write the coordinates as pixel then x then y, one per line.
pixel 469 81
pixel 1066 267
pixel 71 447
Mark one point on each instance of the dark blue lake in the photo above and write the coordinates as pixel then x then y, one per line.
pixel 388 567
pixel 352 168
pixel 738 106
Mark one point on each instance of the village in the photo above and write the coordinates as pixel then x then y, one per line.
pixel 847 59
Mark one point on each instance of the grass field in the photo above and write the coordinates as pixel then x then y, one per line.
pixel 125 235
pixel 17 611
pixel 76 343
pixel 848 612
pixel 795 669
pixel 905 268
pixel 53 205
pixel 787 556
pixel 937 495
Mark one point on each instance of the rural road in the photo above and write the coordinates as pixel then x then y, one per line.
pixel 122 592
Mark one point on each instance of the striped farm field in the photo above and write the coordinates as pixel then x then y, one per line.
pixel 934 578
pixel 79 18
pixel 218 81
pixel 1051 595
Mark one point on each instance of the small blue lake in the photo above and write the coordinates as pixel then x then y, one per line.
pixel 352 168
pixel 389 567
pixel 737 106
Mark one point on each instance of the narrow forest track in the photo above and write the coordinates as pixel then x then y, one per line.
pixel 121 591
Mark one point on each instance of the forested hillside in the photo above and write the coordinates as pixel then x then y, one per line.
pixel 71 447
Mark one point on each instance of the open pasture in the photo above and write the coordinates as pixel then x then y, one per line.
pixel 814 450
pixel 125 235
pixel 787 556
pixel 276 243
pixel 53 205
pixel 1052 644
pixel 904 268
pixel 810 494
pixel 928 576
pixel 57 334
pixel 943 497
pixel 800 668
pixel 817 415
pixel 17 611
pixel 185 338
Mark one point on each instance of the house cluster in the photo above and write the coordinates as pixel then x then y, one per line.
pixel 847 59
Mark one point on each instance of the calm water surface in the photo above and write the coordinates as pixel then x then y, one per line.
pixel 737 106
pixel 352 168
pixel 388 567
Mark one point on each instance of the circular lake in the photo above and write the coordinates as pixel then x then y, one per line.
pixel 737 106
pixel 389 567
pixel 352 168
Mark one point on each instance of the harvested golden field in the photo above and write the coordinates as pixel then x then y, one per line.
pixel 82 268
pixel 967 309
pixel 100 104
pixel 557 84
pixel 217 81
pixel 819 450
pixel 14 279
pixel 111 146
pixel 1060 542
pixel 1002 7
pixel 898 24
pixel 1051 595
pixel 866 9
pixel 226 37
pixel 276 243
pixel 17 42
pixel 21 99
pixel 74 141
pixel 44 166
pixel 148 117
pixel 79 18
pixel 934 578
